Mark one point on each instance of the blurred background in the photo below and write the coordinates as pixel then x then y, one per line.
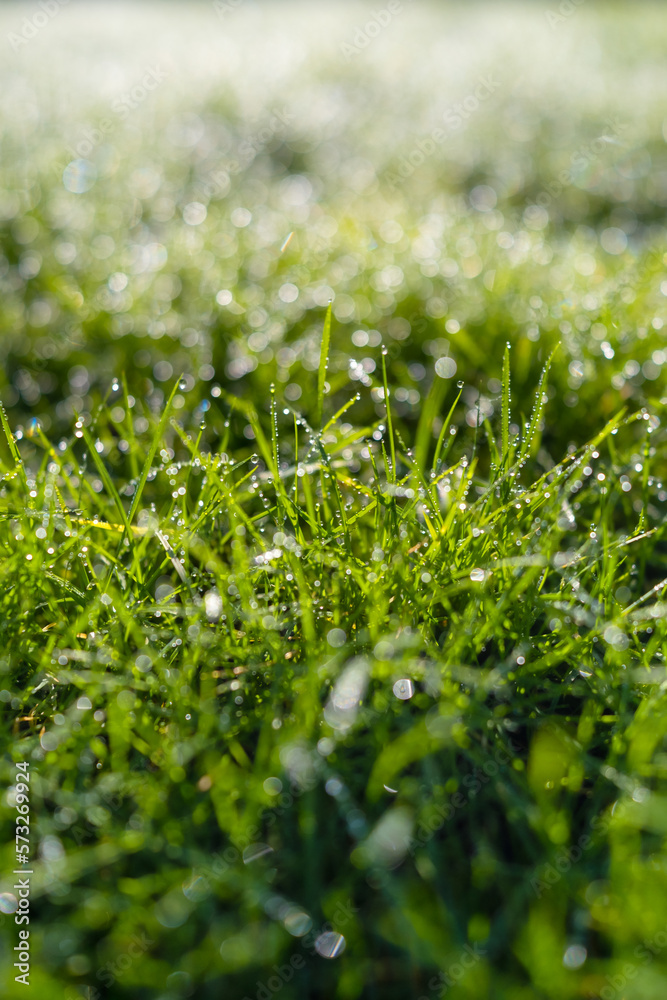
pixel 185 187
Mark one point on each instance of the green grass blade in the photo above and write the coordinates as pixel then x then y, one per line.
pixel 324 362
pixel 11 442
pixel 157 438
pixel 536 415
pixel 112 492
pixel 428 413
pixel 443 431
pixel 390 426
pixel 505 440
pixel 339 413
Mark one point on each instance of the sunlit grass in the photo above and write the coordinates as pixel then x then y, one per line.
pixel 332 506
pixel 277 656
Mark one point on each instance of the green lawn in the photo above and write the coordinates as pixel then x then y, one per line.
pixel 334 636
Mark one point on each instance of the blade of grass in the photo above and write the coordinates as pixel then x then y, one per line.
pixel 441 438
pixel 112 492
pixel 324 362
pixel 390 428
pixel 339 413
pixel 536 415
pixel 13 448
pixel 157 437
pixel 505 440
pixel 430 408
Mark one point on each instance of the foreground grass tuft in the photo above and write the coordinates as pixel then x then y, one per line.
pixel 344 703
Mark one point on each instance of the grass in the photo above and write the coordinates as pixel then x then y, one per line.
pixel 270 691
pixel 332 547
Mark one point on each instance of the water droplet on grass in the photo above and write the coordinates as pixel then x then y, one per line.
pixel 272 786
pixel 336 637
pixel 330 944
pixel 404 689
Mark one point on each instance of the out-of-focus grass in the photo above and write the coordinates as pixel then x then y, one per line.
pixel 173 256
pixel 303 676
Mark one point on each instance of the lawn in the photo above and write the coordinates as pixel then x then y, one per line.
pixel 332 501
